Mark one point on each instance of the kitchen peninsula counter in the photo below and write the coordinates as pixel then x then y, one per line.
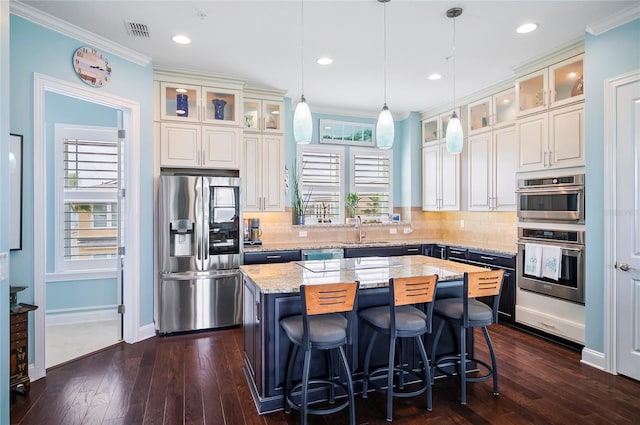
pixel 271 292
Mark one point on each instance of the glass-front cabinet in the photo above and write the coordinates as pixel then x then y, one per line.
pixel 435 128
pixel 557 85
pixel 492 112
pixel 190 103
pixel 263 115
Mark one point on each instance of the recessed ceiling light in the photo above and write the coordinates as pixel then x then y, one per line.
pixel 526 28
pixel 325 61
pixel 434 77
pixel 181 39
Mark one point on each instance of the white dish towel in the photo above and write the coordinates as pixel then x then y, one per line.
pixel 533 259
pixel 551 262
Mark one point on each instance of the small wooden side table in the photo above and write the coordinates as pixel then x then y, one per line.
pixel 19 347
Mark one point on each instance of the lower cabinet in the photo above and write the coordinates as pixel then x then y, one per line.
pixel 265 257
pixel 507 306
pixel 387 251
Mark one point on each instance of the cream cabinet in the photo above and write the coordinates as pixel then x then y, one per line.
pixel 263 115
pixel 435 128
pixel 491 112
pixel 551 315
pixel 492 167
pixel 554 86
pixel 189 145
pixel 199 104
pixel 440 178
pixel 262 172
pixel 552 139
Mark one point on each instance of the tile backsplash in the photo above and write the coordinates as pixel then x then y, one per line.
pixel 479 228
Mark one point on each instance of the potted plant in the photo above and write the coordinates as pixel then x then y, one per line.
pixel 299 202
pixel 351 200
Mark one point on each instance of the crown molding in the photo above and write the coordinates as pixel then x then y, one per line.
pixel 564 51
pixel 189 76
pixel 43 19
pixel 621 17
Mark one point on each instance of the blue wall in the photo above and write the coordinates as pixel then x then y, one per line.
pixel 4 208
pixel 608 55
pixel 50 54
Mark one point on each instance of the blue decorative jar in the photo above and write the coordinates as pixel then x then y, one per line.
pixel 218 108
pixel 182 105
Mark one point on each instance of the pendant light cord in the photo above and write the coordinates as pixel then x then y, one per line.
pixel 454 64
pixel 385 50
pixel 302 46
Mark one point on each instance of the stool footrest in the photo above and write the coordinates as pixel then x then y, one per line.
pixel 396 393
pixel 324 411
pixel 456 360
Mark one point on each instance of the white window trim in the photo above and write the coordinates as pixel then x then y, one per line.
pixel 62 133
pixel 367 151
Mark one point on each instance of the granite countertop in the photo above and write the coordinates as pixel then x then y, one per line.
pixel 372 272
pixel 509 249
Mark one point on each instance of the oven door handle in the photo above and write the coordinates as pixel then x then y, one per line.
pixel 551 191
pixel 565 247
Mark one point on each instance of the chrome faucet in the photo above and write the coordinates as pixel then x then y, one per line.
pixel 361 234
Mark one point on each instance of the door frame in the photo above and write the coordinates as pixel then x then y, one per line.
pixel 131 290
pixel 610 222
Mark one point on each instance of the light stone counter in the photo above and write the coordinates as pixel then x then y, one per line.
pixel 371 272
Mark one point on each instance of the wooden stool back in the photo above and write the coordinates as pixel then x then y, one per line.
pixel 329 298
pixel 414 290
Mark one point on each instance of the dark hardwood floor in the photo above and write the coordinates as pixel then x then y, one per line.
pixel 197 379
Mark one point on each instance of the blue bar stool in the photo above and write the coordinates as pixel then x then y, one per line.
pixel 467 313
pixel 325 324
pixel 408 315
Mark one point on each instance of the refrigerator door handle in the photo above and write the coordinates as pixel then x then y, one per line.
pixel 206 199
pixel 198 211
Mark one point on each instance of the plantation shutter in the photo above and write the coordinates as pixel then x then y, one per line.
pixel 371 179
pixel 322 171
pixel 90 181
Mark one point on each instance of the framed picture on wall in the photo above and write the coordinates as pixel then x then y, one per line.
pixel 346 133
pixel 15 182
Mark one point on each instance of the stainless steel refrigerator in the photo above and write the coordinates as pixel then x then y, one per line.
pixel 200 251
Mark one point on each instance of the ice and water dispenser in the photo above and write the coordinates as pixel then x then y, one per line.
pixel 181 238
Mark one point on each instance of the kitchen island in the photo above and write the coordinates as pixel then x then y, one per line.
pixel 271 292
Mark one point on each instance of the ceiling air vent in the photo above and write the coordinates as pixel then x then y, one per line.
pixel 135 29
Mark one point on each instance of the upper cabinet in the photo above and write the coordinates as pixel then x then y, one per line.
pixel 557 85
pixel 440 178
pixel 263 115
pixel 191 103
pixel 435 128
pixel 492 112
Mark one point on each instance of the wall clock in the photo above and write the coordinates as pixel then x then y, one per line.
pixel 91 66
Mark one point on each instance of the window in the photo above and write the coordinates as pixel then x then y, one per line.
pixel 87 184
pixel 322 176
pixel 372 179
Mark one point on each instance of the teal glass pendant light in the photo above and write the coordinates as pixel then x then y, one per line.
pixel 384 126
pixel 302 120
pixel 454 136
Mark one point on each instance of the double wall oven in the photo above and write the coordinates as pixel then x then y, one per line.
pixel 551 214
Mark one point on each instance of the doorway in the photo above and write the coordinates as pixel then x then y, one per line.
pixel 622 235
pixel 130 269
pixel 83 277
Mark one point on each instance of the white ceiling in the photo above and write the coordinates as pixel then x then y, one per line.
pixel 260 41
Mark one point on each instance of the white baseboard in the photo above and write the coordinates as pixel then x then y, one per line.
pixel 593 358
pixel 70 316
pixel 146 331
